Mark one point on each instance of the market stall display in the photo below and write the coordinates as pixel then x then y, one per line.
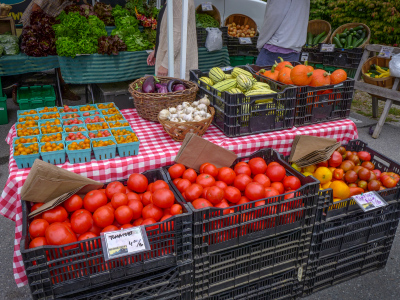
pixel 318 31
pixel 241 26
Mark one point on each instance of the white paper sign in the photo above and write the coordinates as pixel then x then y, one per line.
pixel 386 52
pixel 245 41
pixel 225 69
pixel 206 6
pixel 327 48
pixel 369 201
pixel 124 242
pixel 304 56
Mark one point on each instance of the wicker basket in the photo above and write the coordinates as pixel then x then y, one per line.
pixel 386 82
pixel 149 105
pixel 177 131
pixel 241 20
pixel 213 13
pixel 352 25
pixel 318 26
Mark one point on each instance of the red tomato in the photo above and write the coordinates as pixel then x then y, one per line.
pixel 221 185
pixel 79 211
pixel 190 175
pixel 226 175
pixel 59 234
pixel 158 185
pixel 271 192
pixel 278 186
pixel 164 198
pixel 109 204
pixel 210 169
pixel 254 191
pixel 292 182
pixel 262 179
pixel 152 211
pixel 176 180
pixel 137 208
pixel 274 163
pixel 165 217
pixel 123 214
pixel 363 155
pixel 147 198
pixel 113 188
pixel 204 193
pixel 95 230
pixel 243 200
pixel 259 203
pixel 149 221
pixel 127 190
pixel 103 217
pixel 202 167
pixel 36 206
pixel 335 160
pixel 38 228
pixel 289 196
pixel 110 228
pixel 215 195
pixel 137 183
pixel 176 171
pixel 37 242
pixel 193 192
pixel 183 184
pixel 223 204
pixel 176 209
pixel 73 203
pixel 119 199
pixel 242 169
pixel 102 190
pixel 377 173
pixel 232 194
pixel 150 187
pixel 138 222
pixel 389 181
pixel 86 236
pixel 276 173
pixel 56 214
pixel 201 203
pixel 93 200
pixel 258 166
pixel 241 181
pixel 81 222
pixel 126 226
pixel 205 180
pixel 133 196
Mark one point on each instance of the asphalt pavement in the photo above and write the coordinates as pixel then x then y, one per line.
pixel 382 284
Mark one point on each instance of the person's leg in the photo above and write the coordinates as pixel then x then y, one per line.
pixel 65 90
pixel 294 56
pixel 266 58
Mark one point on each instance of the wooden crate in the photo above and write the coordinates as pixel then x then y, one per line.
pixel 7 24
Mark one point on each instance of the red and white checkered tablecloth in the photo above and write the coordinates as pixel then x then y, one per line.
pixel 157 149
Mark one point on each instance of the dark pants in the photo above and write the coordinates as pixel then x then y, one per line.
pixel 268 58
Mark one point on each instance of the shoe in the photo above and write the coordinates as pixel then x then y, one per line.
pixel 68 94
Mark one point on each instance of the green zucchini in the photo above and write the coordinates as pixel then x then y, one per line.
pixel 360 27
pixel 359 42
pixel 318 37
pixel 343 35
pixel 359 31
pixel 363 35
pixel 350 47
pixel 337 42
pixel 351 30
pixel 309 38
pixel 343 41
pixel 345 30
pixel 349 40
pixel 357 36
pixel 354 42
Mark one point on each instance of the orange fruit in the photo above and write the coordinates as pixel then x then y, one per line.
pixel 326 185
pixel 340 190
pixel 323 174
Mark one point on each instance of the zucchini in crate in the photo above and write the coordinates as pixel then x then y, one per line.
pixel 225 85
pixel 244 82
pixel 216 75
pixel 237 71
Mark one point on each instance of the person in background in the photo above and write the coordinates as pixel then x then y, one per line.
pixel 52 8
pixel 159 57
pixel 284 31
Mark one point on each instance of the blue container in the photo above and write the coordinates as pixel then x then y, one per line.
pixel 42 123
pixel 70 113
pixel 26 161
pixel 91 105
pixel 53 157
pixel 49 113
pixel 49 134
pixel 78 156
pixel 121 128
pixel 20 112
pixel 124 124
pixel 101 123
pixel 17 123
pixel 128 149
pixel 40 110
pixel 79 126
pixel 92 113
pixel 84 133
pixel 58 126
pixel 104 111
pixel 107 152
pixel 61 109
pixel 106 103
pixel 96 131
pixel 29 137
pixel 92 118
pixel 119 114
pixel 80 119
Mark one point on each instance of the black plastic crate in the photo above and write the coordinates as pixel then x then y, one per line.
pixel 54 271
pixel 325 272
pixel 238 115
pixel 213 231
pixel 172 283
pixel 318 104
pixel 245 264
pixel 280 286
pixel 116 92
pixel 347 58
pixel 237 49
pixel 314 55
pixel 202 36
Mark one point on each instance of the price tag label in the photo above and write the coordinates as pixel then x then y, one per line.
pixel 149 51
pixel 206 6
pixel 225 69
pixel 327 48
pixel 369 201
pixel 124 242
pixel 385 52
pixel 245 41
pixel 304 56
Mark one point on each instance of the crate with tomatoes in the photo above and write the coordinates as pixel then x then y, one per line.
pixel 62 248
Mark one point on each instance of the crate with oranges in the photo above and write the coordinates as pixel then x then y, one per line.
pixel 121 131
pixel 118 124
pixel 25 154
pixel 110 111
pixel 87 107
pixel 55 137
pixel 46 129
pixel 53 152
pixel 97 126
pixel 47 109
pixel 27 124
pixel 27 112
pixel 28 131
pixel 75 128
pixel 26 118
pixel 128 145
pixel 106 105
pixel 78 151
pixel 23 140
pixel 49 116
pixel 116 117
pixel 53 122
pixel 104 148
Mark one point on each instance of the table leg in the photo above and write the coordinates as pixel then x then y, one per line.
pixel 382 119
pixel 59 87
pixel 91 92
pixel 374 107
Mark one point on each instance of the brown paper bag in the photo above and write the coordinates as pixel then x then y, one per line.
pixel 305 144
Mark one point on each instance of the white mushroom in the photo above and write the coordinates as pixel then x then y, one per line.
pixel 208 115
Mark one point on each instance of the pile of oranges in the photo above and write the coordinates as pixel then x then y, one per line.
pixel 25 140
pixel 110 111
pixel 21 149
pixel 117 132
pixel 28 131
pixel 103 143
pixel 87 108
pixel 85 144
pixel 27 124
pixel 28 118
pixel 51 129
pixel 127 139
pixel 29 112
pixel 49 147
pixel 47 109
pixel 116 117
pixel 50 123
pixel 74 129
pixel 50 116
pixel 119 124
pixel 97 126
pixel 51 138
pixel 104 106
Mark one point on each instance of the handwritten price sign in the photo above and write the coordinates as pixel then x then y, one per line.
pixel 369 201
pixel 124 242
